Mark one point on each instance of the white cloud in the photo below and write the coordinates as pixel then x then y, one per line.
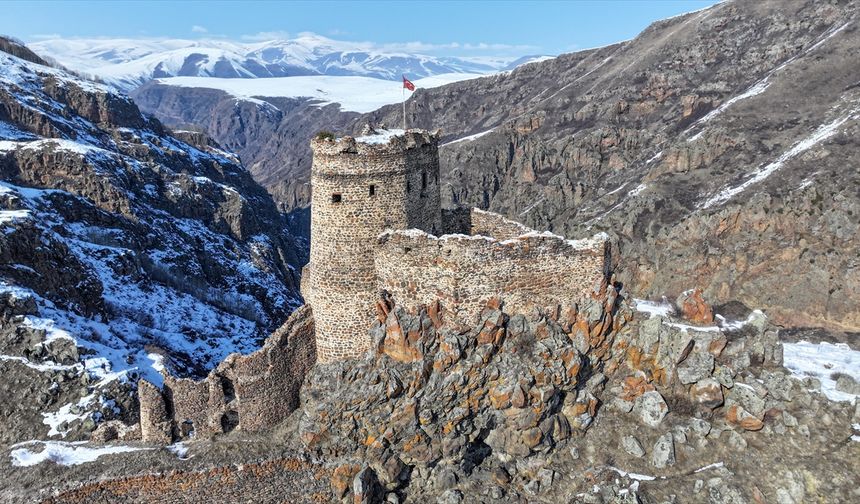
pixel 266 35
pixel 46 36
pixel 199 29
pixel 416 46
pixel 406 47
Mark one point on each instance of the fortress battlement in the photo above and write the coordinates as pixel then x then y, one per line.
pixel 376 226
pixel 464 271
pixel 373 144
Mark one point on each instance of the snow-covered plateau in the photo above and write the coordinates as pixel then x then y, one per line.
pixel 356 94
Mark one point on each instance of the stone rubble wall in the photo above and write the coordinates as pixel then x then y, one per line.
pixel 245 392
pixel 340 281
pixel 533 270
pixel 495 226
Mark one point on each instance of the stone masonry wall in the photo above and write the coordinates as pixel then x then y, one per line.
pixel 245 392
pixel 534 270
pixel 359 190
pixel 494 225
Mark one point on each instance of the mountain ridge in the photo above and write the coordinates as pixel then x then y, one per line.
pixel 129 63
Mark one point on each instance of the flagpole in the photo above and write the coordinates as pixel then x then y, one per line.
pixel 403 95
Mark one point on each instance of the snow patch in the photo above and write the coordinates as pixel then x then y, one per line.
pixel 822 360
pixel 637 477
pixel 821 133
pixel 715 465
pixel 656 309
pixel 636 190
pixel 531 207
pixel 354 94
pixel 654 158
pixel 380 137
pixel 469 138
pixel 7 216
pixel 754 90
pixel 65 454
pixel 179 449
pixel 157 361
pixel 42 367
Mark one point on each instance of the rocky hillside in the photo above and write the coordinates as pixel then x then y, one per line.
pixel 124 247
pixel 272 135
pixel 718 148
pixel 610 401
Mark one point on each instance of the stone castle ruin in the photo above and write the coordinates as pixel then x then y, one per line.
pixel 375 217
pixel 378 237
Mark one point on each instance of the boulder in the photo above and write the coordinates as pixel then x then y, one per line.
pixel 632 446
pixel 747 397
pixel 342 478
pixel 650 408
pixel 697 366
pixel 663 454
pixel 847 384
pixel 707 392
pixel 693 307
pixel 365 487
pixel 737 415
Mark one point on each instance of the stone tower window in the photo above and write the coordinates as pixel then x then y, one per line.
pixel 408 186
pixel 372 190
pixel 336 198
pixel 424 180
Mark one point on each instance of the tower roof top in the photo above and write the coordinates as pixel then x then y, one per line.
pixel 378 136
pixel 375 142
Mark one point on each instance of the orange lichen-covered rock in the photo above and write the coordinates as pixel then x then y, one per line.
pixel 634 386
pixel 737 415
pixel 341 479
pixel 694 308
pixel 707 392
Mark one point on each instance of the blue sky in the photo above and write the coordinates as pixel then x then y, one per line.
pixel 440 27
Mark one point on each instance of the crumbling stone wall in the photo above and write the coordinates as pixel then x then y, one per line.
pixel 245 392
pixel 533 270
pixel 360 189
pixel 494 225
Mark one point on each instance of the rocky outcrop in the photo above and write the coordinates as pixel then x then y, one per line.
pixel 586 404
pixel 435 395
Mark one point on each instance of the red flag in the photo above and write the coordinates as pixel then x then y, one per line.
pixel 408 84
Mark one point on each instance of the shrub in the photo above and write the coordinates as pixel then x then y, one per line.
pixel 324 135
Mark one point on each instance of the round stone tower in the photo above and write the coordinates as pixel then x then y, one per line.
pixel 361 187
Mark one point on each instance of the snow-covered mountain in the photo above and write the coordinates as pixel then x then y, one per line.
pixel 124 247
pixel 128 63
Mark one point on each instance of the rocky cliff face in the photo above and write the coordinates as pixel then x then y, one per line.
pixel 717 148
pixel 609 401
pixel 271 135
pixel 597 403
pixel 122 248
